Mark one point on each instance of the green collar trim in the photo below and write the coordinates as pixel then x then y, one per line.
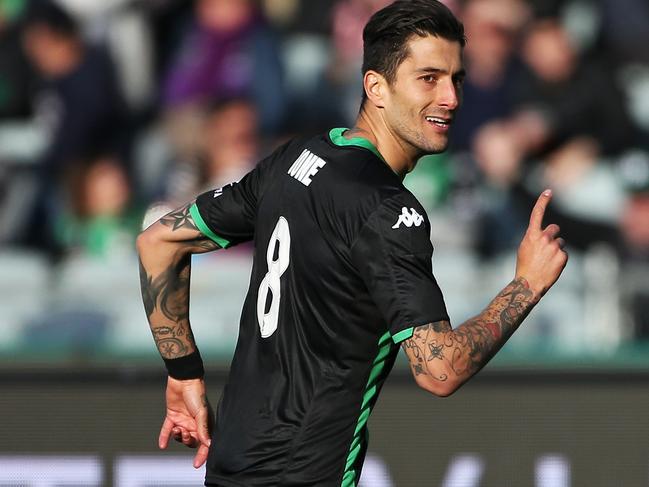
pixel 336 136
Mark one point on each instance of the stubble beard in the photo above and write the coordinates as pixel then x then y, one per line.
pixel 420 142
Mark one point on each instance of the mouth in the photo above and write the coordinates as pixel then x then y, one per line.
pixel 441 122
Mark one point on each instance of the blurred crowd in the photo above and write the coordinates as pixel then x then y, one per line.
pixel 110 108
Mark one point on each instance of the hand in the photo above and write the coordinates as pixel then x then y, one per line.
pixel 541 257
pixel 189 417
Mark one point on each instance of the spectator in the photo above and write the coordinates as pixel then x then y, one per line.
pixel 559 100
pixel 229 147
pixel 100 219
pixel 78 100
pixel 231 142
pixel 492 66
pixel 570 120
pixel 576 96
pixel 343 78
pixel 228 51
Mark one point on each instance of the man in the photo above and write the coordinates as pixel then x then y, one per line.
pixel 342 275
pixel 78 101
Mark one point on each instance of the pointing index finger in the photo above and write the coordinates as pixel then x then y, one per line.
pixel 536 218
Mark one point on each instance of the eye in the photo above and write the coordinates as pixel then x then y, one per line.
pixel 429 78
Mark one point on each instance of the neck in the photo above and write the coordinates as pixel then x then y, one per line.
pixel 398 154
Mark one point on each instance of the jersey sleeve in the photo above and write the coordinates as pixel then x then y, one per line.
pixel 393 254
pixel 227 215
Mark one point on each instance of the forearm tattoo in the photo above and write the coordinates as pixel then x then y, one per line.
pixel 166 295
pixel 166 303
pixel 471 345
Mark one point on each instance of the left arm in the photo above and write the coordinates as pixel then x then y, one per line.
pixel 442 358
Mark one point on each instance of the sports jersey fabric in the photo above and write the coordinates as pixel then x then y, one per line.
pixel 342 273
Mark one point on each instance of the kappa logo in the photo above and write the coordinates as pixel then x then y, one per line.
pixel 409 219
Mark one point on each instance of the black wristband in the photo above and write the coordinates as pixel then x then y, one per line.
pixel 187 367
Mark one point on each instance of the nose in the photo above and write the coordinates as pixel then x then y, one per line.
pixel 449 96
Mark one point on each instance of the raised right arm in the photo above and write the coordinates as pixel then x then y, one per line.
pixel 442 358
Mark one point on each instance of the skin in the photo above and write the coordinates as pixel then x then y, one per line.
pixel 427 83
pixel 54 55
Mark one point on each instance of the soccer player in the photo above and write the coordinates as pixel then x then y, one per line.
pixel 342 276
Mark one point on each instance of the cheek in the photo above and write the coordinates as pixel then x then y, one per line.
pixel 405 115
pixel 411 103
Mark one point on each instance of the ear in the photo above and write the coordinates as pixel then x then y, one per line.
pixel 375 86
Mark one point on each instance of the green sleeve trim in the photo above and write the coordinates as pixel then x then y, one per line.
pixel 205 230
pixel 336 136
pixel 403 335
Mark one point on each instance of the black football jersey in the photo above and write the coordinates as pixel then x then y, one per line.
pixel 342 273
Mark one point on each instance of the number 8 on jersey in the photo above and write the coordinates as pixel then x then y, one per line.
pixel 281 238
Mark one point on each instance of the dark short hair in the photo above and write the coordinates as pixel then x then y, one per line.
pixel 386 35
pixel 51 15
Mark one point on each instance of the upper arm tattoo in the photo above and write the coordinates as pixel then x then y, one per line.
pixel 466 349
pixel 180 218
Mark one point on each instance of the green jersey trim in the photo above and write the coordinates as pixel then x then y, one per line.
pixel 336 136
pixel 374 382
pixel 403 335
pixel 205 230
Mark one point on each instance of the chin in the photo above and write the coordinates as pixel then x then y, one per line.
pixel 435 147
pixel 435 144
